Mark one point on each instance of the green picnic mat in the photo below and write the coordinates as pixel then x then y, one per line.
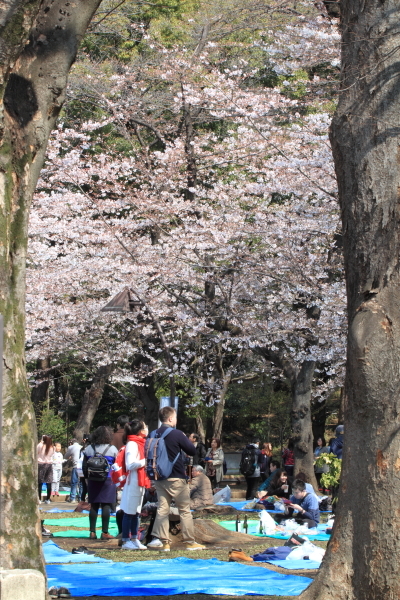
pixel 83 523
pixel 75 521
pixel 83 533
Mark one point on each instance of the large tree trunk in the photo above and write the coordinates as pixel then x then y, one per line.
pixel 40 393
pixel 147 395
pixel 363 555
pixel 91 401
pixel 219 408
pixel 302 434
pixel 300 379
pixel 34 67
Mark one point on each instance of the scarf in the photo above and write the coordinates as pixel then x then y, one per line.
pixel 143 480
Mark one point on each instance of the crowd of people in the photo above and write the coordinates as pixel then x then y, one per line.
pixel 196 471
pixel 195 474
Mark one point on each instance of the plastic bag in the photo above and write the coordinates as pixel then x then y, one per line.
pixel 307 549
pixel 223 495
pixel 279 506
pixel 251 504
pixel 267 522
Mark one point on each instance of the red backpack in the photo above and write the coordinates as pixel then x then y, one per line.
pixel 118 469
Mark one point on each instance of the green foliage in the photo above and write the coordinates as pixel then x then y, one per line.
pixel 51 424
pixel 331 479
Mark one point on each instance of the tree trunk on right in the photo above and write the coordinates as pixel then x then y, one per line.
pixel 363 556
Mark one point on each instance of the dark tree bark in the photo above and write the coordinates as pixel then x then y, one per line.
pixel 147 395
pixel 300 379
pixel 38 44
pixel 40 393
pixel 363 555
pixel 91 401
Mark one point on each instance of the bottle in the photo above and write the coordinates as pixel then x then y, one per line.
pixel 245 525
pixel 261 530
pixel 237 523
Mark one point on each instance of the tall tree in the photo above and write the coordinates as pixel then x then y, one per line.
pixel 362 558
pixel 38 42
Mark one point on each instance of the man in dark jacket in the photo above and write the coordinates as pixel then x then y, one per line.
pixel 176 487
pixel 251 469
pixel 337 443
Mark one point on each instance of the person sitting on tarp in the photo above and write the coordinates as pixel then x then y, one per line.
pixel 274 466
pixel 200 489
pixel 304 503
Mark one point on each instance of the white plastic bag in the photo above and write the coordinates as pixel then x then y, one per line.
pixel 267 522
pixel 279 506
pixel 223 495
pixel 307 549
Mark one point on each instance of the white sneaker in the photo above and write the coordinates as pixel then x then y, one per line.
pixel 139 545
pixel 129 546
pixel 155 543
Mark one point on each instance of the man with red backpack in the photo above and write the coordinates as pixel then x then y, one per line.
pixel 174 487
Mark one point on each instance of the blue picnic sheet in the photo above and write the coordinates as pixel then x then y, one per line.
pixel 55 554
pixel 168 577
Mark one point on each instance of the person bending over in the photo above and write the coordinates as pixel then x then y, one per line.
pixel 305 503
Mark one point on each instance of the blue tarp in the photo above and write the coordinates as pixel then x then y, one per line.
pixel 55 554
pixel 167 577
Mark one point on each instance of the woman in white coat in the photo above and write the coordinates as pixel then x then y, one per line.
pixel 136 483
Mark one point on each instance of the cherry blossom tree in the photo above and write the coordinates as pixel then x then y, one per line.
pixel 229 239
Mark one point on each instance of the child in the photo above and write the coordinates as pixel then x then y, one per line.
pixel 57 469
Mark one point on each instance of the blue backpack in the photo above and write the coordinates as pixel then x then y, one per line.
pixel 158 466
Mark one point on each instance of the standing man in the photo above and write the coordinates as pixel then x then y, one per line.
pixel 337 443
pixel 250 467
pixel 175 488
pixel 201 451
pixel 73 452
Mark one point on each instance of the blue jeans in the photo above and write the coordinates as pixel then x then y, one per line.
pixel 130 525
pixel 74 483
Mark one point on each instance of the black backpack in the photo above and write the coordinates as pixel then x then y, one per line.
pixel 97 466
pixel 248 461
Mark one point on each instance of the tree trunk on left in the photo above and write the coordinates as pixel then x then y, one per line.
pixel 38 44
pixel 91 401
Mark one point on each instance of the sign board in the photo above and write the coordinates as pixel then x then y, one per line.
pixel 166 401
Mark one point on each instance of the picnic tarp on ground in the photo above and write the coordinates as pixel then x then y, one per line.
pixel 168 577
pixel 55 554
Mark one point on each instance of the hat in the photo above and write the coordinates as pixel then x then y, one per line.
pixel 340 430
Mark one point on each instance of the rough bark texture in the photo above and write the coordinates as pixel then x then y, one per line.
pixel 363 556
pixel 300 379
pixel 33 80
pixel 302 433
pixel 91 401
pixel 147 395
pixel 40 393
